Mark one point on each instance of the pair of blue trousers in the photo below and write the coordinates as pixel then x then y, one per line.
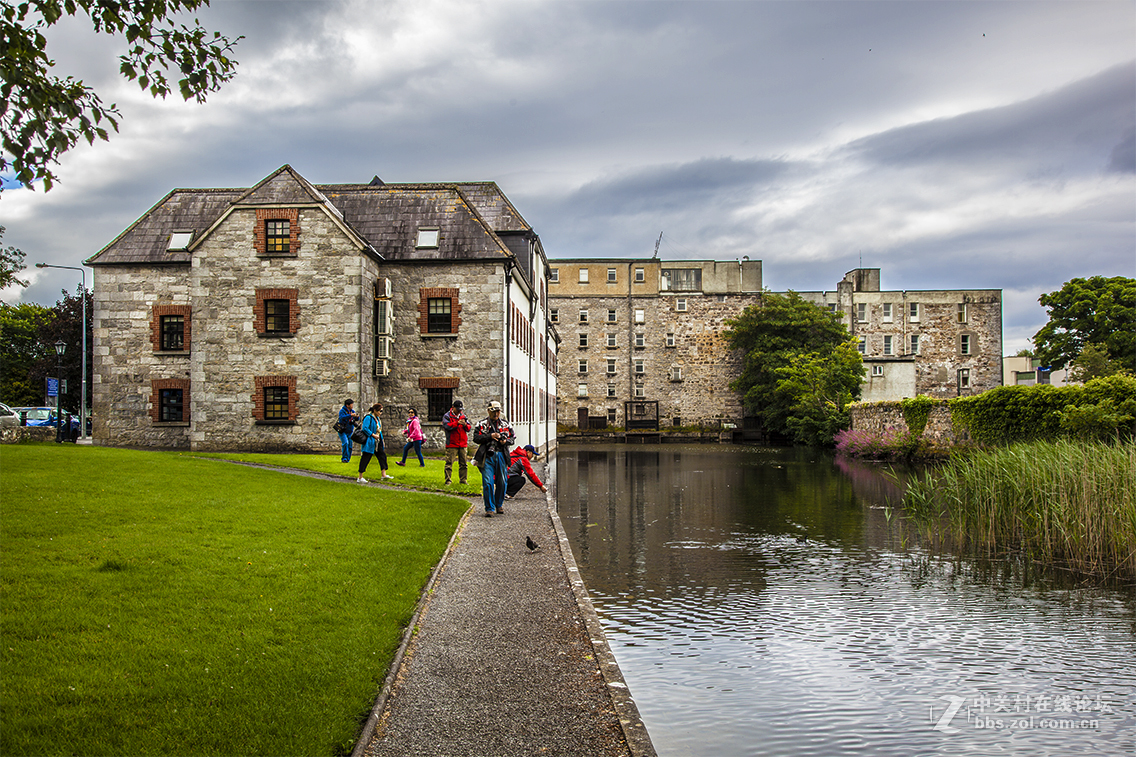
pixel 417 445
pixel 494 480
pixel 345 447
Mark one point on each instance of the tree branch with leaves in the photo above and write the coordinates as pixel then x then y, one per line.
pixel 43 116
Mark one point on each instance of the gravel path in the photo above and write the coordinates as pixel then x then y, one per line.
pixel 508 657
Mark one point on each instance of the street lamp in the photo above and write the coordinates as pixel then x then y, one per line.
pixel 83 379
pixel 60 348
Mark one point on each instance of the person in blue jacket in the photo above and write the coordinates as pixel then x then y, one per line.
pixel 347 420
pixel 373 428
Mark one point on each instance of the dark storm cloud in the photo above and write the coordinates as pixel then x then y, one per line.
pixel 1076 128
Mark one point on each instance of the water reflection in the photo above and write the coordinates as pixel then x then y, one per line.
pixel 768 601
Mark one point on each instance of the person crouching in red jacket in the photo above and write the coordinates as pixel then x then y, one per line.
pixel 519 468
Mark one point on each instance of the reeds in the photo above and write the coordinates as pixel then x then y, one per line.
pixel 1065 504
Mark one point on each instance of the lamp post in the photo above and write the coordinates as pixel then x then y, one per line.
pixel 60 348
pixel 83 376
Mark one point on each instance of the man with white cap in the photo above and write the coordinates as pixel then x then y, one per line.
pixel 494 436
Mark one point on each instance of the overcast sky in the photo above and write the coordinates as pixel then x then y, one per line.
pixel 950 144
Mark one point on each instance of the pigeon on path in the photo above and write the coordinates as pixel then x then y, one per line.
pixel 532 545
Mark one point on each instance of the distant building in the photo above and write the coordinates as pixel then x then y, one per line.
pixel 938 342
pixel 1028 371
pixel 642 331
pixel 240 319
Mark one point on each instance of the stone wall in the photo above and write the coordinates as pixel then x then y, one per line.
pixel 880 417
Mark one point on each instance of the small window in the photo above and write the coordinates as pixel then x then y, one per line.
pixel 832 307
pixel 611 410
pixel 610 316
pixel 964 378
pixel 438 401
pixel 888 345
pixel 640 315
pixel 962 312
pixel 275 403
pixel 554 315
pixel 611 365
pixel 670 340
pixel 860 346
pixel 640 276
pixel 583 275
pixel 640 392
pixel 676 373
pixel 180 240
pixel 611 340
pixel 611 390
pixel 276 316
pixel 877 370
pixel 581 390
pixel 913 311
pixel 583 366
pixel 862 312
pixel 427 239
pixel 277 237
pixel 640 340
pixel 583 316
pixel 680 304
pixel 965 345
pixel 583 340
pixel 554 275
pixel 914 344
pixel 171 408
pixel 439 312
pixel 886 315
pixel 640 366
pixel 173 332
pixel 611 275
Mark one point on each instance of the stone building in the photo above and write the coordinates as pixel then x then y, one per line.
pixel 636 332
pixel 942 343
pixel 239 319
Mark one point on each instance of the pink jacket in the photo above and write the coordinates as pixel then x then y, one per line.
pixel 414 430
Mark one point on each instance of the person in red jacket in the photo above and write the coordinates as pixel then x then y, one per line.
pixel 457 427
pixel 519 468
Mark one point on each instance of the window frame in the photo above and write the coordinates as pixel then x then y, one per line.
pixel 157 333
pixel 889 344
pixel 266 386
pixel 425 325
pixel 428 238
pixel 438 402
pixel 583 339
pixel 159 405
pixel 260 316
pixel 553 275
pixel 583 275
pixel 611 276
pixel 277 239
pixel 272 318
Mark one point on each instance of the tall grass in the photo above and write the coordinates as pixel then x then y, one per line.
pixel 1065 504
pixel 154 604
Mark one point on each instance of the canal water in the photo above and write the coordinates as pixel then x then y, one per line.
pixel 769 602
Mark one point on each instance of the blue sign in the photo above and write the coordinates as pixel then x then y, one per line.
pixel 52 387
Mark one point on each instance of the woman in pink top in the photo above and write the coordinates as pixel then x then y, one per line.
pixel 414 437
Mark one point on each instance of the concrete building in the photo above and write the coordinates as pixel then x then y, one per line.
pixel 1027 371
pixel 239 319
pixel 644 331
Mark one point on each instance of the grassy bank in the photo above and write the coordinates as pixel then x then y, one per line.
pixel 1065 504
pixel 151 603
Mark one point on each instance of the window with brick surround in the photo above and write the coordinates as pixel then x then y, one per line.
pixel 169 400
pixel 277 231
pixel 170 328
pixel 439 311
pixel 274 399
pixel 277 312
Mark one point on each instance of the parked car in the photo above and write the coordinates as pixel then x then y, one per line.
pixel 8 416
pixel 42 416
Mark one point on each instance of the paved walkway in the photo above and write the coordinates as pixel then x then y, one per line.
pixel 508 658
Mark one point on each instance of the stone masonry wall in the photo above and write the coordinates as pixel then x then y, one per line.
pixel 880 417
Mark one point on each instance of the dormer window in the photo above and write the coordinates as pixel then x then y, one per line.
pixel 180 240
pixel 427 239
pixel 277 237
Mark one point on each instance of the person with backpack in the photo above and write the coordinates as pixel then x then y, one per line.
pixel 348 418
pixel 456 426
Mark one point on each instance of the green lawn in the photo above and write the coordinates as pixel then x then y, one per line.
pixel 153 603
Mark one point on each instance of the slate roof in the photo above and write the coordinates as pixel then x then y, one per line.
pixel 387 217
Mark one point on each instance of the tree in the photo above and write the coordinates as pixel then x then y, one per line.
pixel 1097 310
pixel 20 349
pixel 43 116
pixel 770 335
pixel 1093 362
pixel 66 323
pixel 11 263
pixel 817 389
